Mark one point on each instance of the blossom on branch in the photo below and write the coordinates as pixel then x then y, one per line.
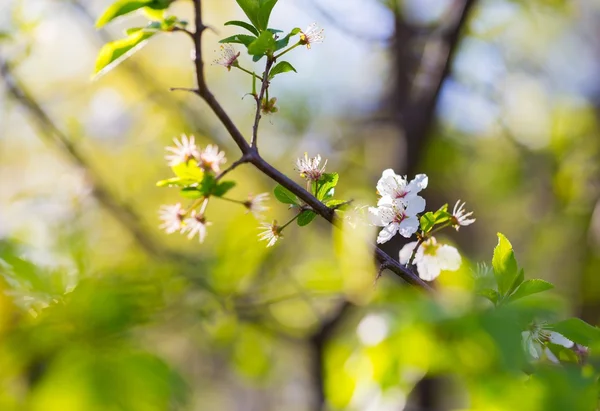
pixel 195 224
pixel 431 258
pixel 255 204
pixel 312 35
pixel 309 167
pixel 172 218
pixel 392 186
pixel 460 217
pixel 228 57
pixel 183 151
pixel 271 233
pixel 397 216
pixel 211 158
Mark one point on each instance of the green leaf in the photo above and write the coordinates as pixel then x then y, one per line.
pixel 208 184
pixel 284 195
pixel 251 9
pixel 243 25
pixel 578 331
pixel 504 264
pixel 326 183
pixel 427 221
pixel 281 67
pixel 120 8
pixel 264 44
pixel 530 287
pixel 490 294
pixel 221 189
pixel 192 193
pixel 306 217
pixel 335 204
pixel 172 182
pixel 517 281
pixel 264 12
pixel 115 52
pixel 283 42
pixel 189 172
pixel 244 39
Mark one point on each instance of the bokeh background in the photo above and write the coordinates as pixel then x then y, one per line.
pixel 496 100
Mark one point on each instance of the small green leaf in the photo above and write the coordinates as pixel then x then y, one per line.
pixel 221 189
pixel 530 287
pixel 281 67
pixel 120 8
pixel 264 12
pixel 208 184
pixel 244 39
pixel 306 217
pixel 326 183
pixel 505 265
pixel 578 331
pixel 283 42
pixel 172 182
pixel 243 25
pixel 115 52
pixel 284 195
pixel 263 45
pixel 192 193
pixel 335 204
pixel 427 221
pixel 189 172
pixel 490 294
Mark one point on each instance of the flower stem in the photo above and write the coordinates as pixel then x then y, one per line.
pixel 233 200
pixel 414 253
pixel 249 72
pixel 289 222
pixel 285 51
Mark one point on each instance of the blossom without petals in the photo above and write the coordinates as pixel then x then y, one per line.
pixel 460 217
pixel 309 167
pixel 172 217
pixel 255 204
pixel 211 158
pixel 228 57
pixel 431 258
pixel 312 35
pixel 535 339
pixel 183 151
pixel 397 217
pixel 271 233
pixel 195 224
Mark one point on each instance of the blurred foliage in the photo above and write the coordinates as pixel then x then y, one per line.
pixel 90 319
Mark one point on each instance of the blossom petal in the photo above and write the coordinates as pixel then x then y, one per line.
pixel 448 258
pixel 428 268
pixel 406 252
pixel 387 233
pixel 559 339
pixel 409 226
pixel 414 206
pixel 418 183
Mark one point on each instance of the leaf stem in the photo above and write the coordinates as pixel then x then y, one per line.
pixel 286 51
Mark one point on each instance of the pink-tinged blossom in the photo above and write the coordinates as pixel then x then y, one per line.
pixel 183 151
pixel 171 217
pixel 195 224
pixel 397 217
pixel 312 35
pixel 460 217
pixel 211 158
pixel 228 57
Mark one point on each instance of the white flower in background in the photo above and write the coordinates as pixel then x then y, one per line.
pixel 172 217
pixel 392 186
pixel 309 167
pixel 184 151
pixel 312 35
pixel 195 224
pixel 460 217
pixel 539 334
pixel 228 57
pixel 271 233
pixel 431 258
pixel 397 217
pixel 211 158
pixel 256 205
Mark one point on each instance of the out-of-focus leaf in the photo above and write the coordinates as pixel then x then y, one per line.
pixel 578 331
pixel 120 8
pixel 505 265
pixel 244 25
pixel 490 294
pixel 530 287
pixel 264 12
pixel 284 195
pixel 281 67
pixel 244 39
pixel 222 188
pixel 189 171
pixel 263 45
pixel 115 52
pixel 193 193
pixel 306 217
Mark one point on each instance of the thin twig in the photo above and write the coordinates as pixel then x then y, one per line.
pixel 263 88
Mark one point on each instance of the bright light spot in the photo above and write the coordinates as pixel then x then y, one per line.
pixel 372 329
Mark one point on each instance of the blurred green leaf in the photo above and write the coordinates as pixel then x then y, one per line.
pixel 264 12
pixel 283 42
pixel 281 67
pixel 193 193
pixel 284 195
pixel 244 39
pixel 530 287
pixel 115 52
pixel 306 217
pixel 578 331
pixel 335 203
pixel 189 171
pixel 490 294
pixel 325 185
pixel 222 188
pixel 120 8
pixel 244 25
pixel 505 265
pixel 263 45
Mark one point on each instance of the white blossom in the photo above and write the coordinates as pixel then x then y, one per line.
pixel 256 204
pixel 211 158
pixel 312 35
pixel 271 233
pixel 397 217
pixel 309 167
pixel 172 217
pixel 539 334
pixel 392 186
pixel 460 217
pixel 183 151
pixel 228 57
pixel 431 258
pixel 195 224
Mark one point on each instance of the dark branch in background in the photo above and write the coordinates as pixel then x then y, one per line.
pixel 49 131
pixel 250 155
